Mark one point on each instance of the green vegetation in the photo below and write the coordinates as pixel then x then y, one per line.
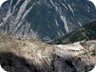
pixel 86 32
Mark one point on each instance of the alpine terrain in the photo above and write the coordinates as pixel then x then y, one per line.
pixel 86 32
pixel 44 19
pixel 34 56
pixel 27 26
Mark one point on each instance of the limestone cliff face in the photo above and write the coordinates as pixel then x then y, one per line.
pixel 17 55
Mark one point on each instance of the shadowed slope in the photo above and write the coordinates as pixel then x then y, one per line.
pixel 12 63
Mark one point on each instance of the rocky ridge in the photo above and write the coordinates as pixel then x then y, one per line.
pixel 18 55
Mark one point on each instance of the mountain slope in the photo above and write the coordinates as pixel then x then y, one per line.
pixel 20 55
pixel 44 19
pixel 87 32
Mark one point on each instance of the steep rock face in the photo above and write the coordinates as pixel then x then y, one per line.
pixel 34 56
pixel 46 19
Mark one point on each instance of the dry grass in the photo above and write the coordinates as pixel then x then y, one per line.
pixel 37 51
pixel 31 50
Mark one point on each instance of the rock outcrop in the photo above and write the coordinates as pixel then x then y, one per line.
pixel 18 55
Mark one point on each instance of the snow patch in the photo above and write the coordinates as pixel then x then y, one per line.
pixel 79 24
pixel 63 4
pixel 65 23
pixel 54 5
pixel 71 9
pixel 56 23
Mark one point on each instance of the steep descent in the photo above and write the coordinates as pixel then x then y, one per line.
pixel 45 19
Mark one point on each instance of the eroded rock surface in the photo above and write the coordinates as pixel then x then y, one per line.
pixel 18 55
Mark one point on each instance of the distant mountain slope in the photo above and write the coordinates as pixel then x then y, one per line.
pixel 45 19
pixel 87 32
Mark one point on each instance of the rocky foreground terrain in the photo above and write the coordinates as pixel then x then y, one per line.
pixel 19 55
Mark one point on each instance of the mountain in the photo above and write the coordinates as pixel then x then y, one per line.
pixel 44 19
pixel 87 32
pixel 26 55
